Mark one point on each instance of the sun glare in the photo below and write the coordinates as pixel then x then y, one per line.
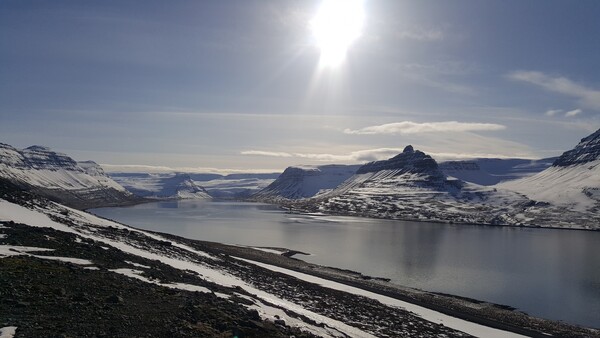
pixel 337 24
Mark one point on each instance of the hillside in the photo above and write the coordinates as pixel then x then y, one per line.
pixel 60 178
pixel 573 180
pixel 305 181
pixel 491 171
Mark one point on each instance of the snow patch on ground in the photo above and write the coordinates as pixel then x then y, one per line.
pixel 8 332
pixel 427 314
pixel 137 265
pixel 137 274
pixel 10 250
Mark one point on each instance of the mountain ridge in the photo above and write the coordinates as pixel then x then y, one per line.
pixel 60 178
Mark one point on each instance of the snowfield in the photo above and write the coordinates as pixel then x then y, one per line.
pixel 576 187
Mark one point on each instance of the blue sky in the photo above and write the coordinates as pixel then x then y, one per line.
pixel 237 85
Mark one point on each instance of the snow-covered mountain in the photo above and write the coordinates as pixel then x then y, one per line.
pixel 161 186
pixel 238 185
pixel 412 186
pixel 573 180
pixel 490 171
pixel 59 177
pixel 217 186
pixel 306 181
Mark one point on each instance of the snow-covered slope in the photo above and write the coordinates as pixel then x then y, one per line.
pixel 306 181
pixel 238 186
pixel 161 186
pixel 215 185
pixel 59 177
pixel 573 180
pixel 490 171
pixel 411 186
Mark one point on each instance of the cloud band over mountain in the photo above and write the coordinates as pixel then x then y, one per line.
pixel 408 127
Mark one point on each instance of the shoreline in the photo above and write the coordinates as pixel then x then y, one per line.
pixel 498 316
pixel 522 226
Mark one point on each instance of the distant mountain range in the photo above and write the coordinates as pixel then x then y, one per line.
pixel 554 192
pixel 193 185
pixel 60 178
pixel 162 186
pixel 412 186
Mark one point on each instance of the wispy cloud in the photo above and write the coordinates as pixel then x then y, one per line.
pixel 355 156
pixel 266 153
pixel 421 34
pixel 587 97
pixel 553 112
pixel 408 127
pixel 368 155
pixel 135 168
pixel 573 112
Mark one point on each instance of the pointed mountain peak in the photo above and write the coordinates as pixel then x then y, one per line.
pixel 410 160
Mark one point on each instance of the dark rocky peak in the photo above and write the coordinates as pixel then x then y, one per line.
pixel 587 150
pixel 39 157
pixel 409 161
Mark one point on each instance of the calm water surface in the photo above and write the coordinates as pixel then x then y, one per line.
pixel 548 273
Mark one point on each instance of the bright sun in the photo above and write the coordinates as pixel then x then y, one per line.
pixel 337 24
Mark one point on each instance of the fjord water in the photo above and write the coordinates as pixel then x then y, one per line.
pixel 548 273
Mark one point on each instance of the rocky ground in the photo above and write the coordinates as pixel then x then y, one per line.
pixel 47 298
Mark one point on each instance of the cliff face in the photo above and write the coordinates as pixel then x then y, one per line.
pixel 588 150
pixel 60 178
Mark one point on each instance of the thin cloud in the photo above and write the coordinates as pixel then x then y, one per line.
pixel 586 96
pixel 139 168
pixel 355 156
pixel 266 153
pixel 421 34
pixel 407 127
pixel 573 112
pixel 553 112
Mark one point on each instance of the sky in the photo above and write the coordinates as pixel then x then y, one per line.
pixel 237 86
